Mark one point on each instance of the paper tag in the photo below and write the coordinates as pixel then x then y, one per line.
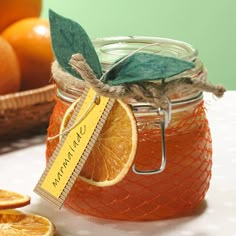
pixel 74 148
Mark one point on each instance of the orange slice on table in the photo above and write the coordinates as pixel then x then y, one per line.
pixel 16 223
pixel 9 200
pixel 115 148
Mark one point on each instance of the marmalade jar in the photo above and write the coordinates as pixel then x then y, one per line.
pixel 171 171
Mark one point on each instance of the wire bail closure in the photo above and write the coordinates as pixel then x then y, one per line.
pixel 165 118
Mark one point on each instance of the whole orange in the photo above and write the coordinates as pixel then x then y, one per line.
pixel 31 41
pixel 14 10
pixel 9 69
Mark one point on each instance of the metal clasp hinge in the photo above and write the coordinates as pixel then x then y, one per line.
pixel 165 117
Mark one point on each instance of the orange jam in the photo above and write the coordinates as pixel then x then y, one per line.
pixel 180 187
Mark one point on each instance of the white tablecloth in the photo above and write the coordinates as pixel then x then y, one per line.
pixel 22 163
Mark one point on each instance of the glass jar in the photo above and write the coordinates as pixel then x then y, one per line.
pixel 172 167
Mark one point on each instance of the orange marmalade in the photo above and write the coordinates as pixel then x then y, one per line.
pixel 171 171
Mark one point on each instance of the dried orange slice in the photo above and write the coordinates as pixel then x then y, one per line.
pixel 10 211
pixel 115 148
pixel 9 199
pixel 20 224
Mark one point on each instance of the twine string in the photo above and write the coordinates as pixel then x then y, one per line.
pixel 143 92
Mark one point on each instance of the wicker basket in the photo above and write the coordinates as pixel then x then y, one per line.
pixel 25 113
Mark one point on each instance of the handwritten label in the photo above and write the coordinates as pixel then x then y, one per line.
pixel 74 148
pixel 66 161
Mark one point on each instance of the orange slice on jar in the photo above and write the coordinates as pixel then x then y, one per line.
pixel 10 200
pixel 115 148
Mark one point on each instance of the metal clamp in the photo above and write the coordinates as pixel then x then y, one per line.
pixel 165 114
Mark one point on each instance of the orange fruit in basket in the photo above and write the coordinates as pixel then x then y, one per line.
pixel 14 10
pixel 9 199
pixel 9 69
pixel 18 223
pixel 31 41
pixel 114 150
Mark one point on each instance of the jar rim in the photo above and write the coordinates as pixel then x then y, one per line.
pixel 109 49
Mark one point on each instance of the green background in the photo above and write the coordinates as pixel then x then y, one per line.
pixel 209 25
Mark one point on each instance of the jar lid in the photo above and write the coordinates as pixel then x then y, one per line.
pixel 110 49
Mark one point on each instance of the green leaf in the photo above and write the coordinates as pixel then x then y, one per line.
pixel 146 66
pixel 68 38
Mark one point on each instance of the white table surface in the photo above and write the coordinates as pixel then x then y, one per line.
pixel 22 163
